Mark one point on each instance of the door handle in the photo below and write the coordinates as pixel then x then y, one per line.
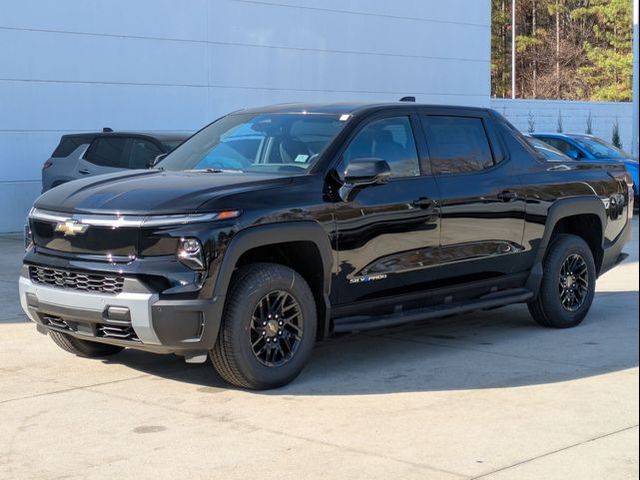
pixel 558 168
pixel 423 202
pixel 507 196
pixel 84 171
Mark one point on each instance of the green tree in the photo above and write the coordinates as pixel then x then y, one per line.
pixel 500 48
pixel 569 49
pixel 615 135
pixel 589 124
pixel 609 51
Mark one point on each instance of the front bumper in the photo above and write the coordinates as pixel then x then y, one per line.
pixel 135 318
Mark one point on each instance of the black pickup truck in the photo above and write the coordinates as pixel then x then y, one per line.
pixel 275 227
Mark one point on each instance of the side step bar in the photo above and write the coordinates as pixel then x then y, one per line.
pixel 491 300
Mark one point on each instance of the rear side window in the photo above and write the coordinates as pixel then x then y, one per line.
pixel 142 153
pixel 108 152
pixel 68 144
pixel 457 144
pixel 561 145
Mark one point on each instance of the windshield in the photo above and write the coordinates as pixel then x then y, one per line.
pixel 274 143
pixel 600 148
pixel 547 151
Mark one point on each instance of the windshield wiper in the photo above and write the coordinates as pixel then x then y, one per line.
pixel 213 170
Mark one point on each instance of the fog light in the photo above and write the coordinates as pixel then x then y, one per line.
pixel 190 253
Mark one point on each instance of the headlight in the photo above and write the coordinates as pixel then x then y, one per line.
pixel 190 253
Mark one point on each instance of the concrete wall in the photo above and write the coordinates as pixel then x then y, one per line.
pixel 574 116
pixel 74 65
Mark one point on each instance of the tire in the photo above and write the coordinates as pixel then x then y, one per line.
pixel 241 354
pixel 83 348
pixel 551 308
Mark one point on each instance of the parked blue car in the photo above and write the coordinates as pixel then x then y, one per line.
pixel 589 148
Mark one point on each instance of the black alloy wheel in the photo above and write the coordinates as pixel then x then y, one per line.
pixel 573 283
pixel 568 283
pixel 276 328
pixel 268 327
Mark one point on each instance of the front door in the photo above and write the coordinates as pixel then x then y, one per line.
pixel 387 232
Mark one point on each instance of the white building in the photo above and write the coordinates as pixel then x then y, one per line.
pixel 75 65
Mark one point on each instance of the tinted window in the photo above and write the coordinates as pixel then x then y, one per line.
pixel 457 144
pixel 108 152
pixel 169 146
pixel 561 145
pixel 68 144
pixel 390 139
pixel 142 153
pixel 546 150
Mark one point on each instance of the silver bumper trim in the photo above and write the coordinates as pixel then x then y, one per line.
pixel 139 304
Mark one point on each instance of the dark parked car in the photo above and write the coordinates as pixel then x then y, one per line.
pixel 85 154
pixel 584 147
pixel 343 217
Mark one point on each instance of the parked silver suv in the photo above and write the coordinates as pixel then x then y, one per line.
pixel 85 154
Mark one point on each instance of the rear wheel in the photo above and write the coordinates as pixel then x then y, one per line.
pixel 268 328
pixel 83 348
pixel 568 283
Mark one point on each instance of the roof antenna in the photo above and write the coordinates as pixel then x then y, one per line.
pixel 107 130
pixel 408 99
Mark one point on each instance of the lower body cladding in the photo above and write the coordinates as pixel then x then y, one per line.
pixel 133 318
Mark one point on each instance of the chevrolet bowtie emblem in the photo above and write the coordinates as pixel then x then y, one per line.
pixel 71 227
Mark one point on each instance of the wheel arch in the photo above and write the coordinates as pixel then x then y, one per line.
pixel 572 215
pixel 308 244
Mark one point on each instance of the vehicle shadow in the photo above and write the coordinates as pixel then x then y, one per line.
pixel 490 349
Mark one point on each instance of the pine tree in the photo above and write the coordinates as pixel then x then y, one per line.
pixel 570 49
pixel 532 123
pixel 559 126
pixel 589 124
pixel 615 135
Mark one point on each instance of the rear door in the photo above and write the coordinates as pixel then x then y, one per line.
pixel 482 199
pixel 105 155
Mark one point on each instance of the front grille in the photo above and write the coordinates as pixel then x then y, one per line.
pixel 101 241
pixel 87 282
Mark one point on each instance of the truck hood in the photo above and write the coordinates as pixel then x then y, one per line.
pixel 145 192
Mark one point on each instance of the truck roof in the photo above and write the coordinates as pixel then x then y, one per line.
pixel 339 108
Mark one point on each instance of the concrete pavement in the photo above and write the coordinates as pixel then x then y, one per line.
pixel 486 395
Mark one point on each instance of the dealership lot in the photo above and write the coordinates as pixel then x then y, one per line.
pixel 485 395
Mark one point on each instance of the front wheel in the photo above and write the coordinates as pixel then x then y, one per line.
pixel 568 283
pixel 268 328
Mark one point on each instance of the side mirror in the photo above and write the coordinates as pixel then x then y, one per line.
pixel 156 160
pixel 362 172
pixel 574 154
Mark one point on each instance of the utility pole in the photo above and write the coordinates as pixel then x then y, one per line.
pixel 636 92
pixel 513 49
pixel 557 49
